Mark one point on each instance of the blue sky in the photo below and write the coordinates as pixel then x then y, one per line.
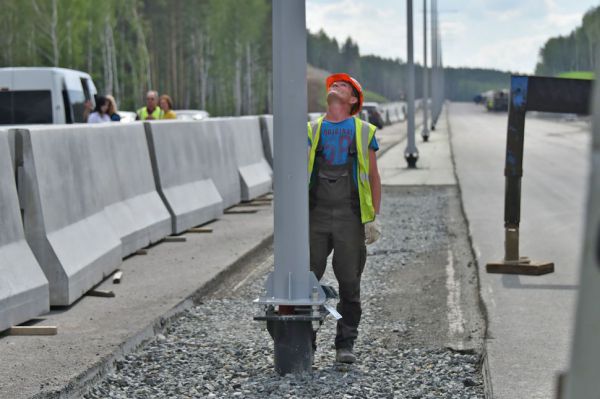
pixel 501 34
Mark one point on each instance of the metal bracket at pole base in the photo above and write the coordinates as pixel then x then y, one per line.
pixel 411 159
pixel 293 326
pixel 515 264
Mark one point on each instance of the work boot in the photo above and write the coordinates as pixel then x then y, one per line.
pixel 344 355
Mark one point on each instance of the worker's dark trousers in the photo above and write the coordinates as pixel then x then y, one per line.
pixel 339 228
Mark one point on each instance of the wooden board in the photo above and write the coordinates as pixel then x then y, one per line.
pixel 175 239
pixel 101 293
pixel 531 268
pixel 200 230
pixel 33 330
pixel 240 211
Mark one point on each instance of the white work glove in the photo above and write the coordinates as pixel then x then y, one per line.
pixel 372 232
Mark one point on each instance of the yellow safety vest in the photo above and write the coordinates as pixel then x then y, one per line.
pixel 143 113
pixel 364 134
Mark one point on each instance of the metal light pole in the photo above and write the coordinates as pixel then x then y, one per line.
pixel 425 132
pixel 437 88
pixel 582 380
pixel 293 299
pixel 434 62
pixel 411 154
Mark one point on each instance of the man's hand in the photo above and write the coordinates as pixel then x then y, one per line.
pixel 372 232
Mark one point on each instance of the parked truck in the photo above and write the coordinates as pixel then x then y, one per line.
pixel 497 100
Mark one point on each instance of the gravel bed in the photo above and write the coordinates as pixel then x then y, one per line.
pixel 215 350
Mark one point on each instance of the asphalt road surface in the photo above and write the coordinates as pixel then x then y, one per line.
pixel 530 318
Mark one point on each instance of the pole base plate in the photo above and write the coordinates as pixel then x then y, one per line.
pixel 411 160
pixel 524 266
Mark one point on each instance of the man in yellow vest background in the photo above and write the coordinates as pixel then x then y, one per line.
pixel 151 110
pixel 344 198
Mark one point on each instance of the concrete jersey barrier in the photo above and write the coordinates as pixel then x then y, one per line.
pixel 394 112
pixel 64 217
pixel 183 155
pixel 203 167
pixel 252 168
pixel 89 199
pixel 266 130
pixel 133 205
pixel 23 286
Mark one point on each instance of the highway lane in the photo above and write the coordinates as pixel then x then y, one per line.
pixel 530 318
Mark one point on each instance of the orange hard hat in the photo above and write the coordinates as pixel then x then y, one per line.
pixel 344 77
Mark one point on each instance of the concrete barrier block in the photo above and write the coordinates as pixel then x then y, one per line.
pixel 24 290
pixel 133 205
pixel 63 199
pixel 266 131
pixel 253 169
pixel 253 179
pixel 192 170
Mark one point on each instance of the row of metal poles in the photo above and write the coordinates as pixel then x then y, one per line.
pixel 411 153
pixel 291 285
pixel 294 300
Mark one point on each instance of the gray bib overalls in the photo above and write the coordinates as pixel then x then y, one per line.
pixel 335 225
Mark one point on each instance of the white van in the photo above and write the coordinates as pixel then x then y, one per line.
pixel 44 95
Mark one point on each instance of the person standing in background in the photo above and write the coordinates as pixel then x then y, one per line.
pixel 100 114
pixel 151 110
pixel 166 105
pixel 112 109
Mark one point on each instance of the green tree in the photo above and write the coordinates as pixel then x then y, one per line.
pixel 209 54
pixel 579 51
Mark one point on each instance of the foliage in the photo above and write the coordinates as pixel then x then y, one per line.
pixel 375 97
pixel 586 75
pixel 463 84
pixel 208 54
pixel 579 51
pixel 216 54
pixel 386 78
pixel 380 75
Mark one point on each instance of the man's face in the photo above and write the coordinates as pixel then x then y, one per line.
pixel 150 101
pixel 341 91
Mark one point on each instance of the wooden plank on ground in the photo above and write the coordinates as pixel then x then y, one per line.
pixel 175 239
pixel 258 204
pixel 101 293
pixel 240 211
pixel 200 230
pixel 33 330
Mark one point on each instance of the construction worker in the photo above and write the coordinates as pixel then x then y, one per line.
pixel 151 110
pixel 344 198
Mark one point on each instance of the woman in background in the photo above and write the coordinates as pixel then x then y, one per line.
pixel 166 104
pixel 112 109
pixel 100 114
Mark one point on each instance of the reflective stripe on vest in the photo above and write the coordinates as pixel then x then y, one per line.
pixel 364 132
pixel 143 113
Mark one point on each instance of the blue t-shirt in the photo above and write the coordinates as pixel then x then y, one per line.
pixel 336 138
